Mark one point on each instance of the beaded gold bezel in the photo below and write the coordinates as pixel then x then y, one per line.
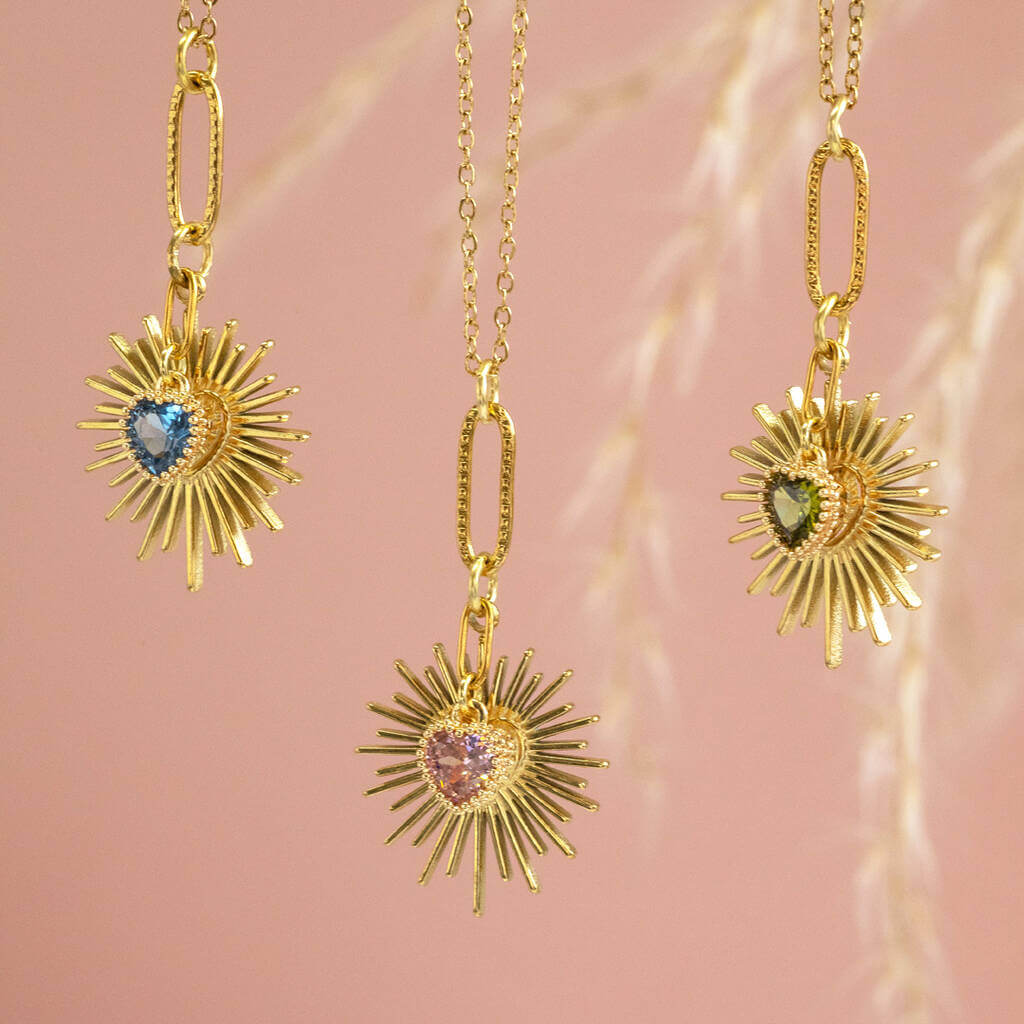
pixel 194 448
pixel 505 741
pixel 829 515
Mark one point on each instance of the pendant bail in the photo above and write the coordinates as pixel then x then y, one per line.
pixel 175 351
pixel 832 357
pixel 473 678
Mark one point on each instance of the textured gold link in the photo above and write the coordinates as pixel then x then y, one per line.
pixel 858 258
pixel 505 280
pixel 195 82
pixel 187 284
pixel 464 498
pixel 826 52
pixel 831 355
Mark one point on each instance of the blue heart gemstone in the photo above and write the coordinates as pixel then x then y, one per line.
pixel 157 434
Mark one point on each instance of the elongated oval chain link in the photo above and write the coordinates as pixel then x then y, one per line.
pixel 188 285
pixel 494 558
pixel 826 52
pixel 195 82
pixel 859 248
pixel 467 178
pixel 832 355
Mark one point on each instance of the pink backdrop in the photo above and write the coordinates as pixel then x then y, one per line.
pixel 184 837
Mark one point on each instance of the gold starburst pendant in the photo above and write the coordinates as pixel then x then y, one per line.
pixel 479 753
pixel 836 515
pixel 202 449
pixel 833 505
pixel 490 761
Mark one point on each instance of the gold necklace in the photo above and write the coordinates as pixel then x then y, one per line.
pixel 193 425
pixel 482 751
pixel 834 511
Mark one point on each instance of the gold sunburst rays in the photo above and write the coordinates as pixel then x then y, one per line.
pixel 837 533
pixel 197 447
pixel 492 775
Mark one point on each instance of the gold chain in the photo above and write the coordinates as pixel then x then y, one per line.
pixel 187 285
pixel 481 610
pixel 207 24
pixel 467 178
pixel 854 48
pixel 831 356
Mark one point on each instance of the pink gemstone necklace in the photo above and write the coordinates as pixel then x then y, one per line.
pixel 480 748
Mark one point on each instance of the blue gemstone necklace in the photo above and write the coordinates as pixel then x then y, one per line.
pixel 196 442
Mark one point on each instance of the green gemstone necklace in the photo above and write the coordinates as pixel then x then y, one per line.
pixel 833 510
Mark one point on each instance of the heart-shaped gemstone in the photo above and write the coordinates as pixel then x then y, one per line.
pixel 157 433
pixel 795 507
pixel 457 763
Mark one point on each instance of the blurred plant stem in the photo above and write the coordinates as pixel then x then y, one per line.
pixel 950 366
pixel 750 58
pixel 316 134
pixel 724 191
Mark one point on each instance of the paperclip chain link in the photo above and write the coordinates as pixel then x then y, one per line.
pixel 189 285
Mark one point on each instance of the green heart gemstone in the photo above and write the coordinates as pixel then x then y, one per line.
pixel 795 508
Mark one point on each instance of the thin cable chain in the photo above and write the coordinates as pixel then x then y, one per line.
pixel 467 178
pixel 854 49
pixel 207 24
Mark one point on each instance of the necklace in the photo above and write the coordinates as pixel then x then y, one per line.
pixel 481 750
pixel 835 515
pixel 191 422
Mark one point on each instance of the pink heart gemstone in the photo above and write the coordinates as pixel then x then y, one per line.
pixel 457 764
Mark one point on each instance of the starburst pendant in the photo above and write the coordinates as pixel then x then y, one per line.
pixel 495 768
pixel 199 453
pixel 839 522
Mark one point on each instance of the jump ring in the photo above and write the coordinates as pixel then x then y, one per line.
pixel 479 571
pixel 826 308
pixel 835 133
pixel 185 76
pixel 186 235
pixel 486 388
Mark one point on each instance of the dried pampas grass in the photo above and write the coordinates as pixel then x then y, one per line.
pixel 950 365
